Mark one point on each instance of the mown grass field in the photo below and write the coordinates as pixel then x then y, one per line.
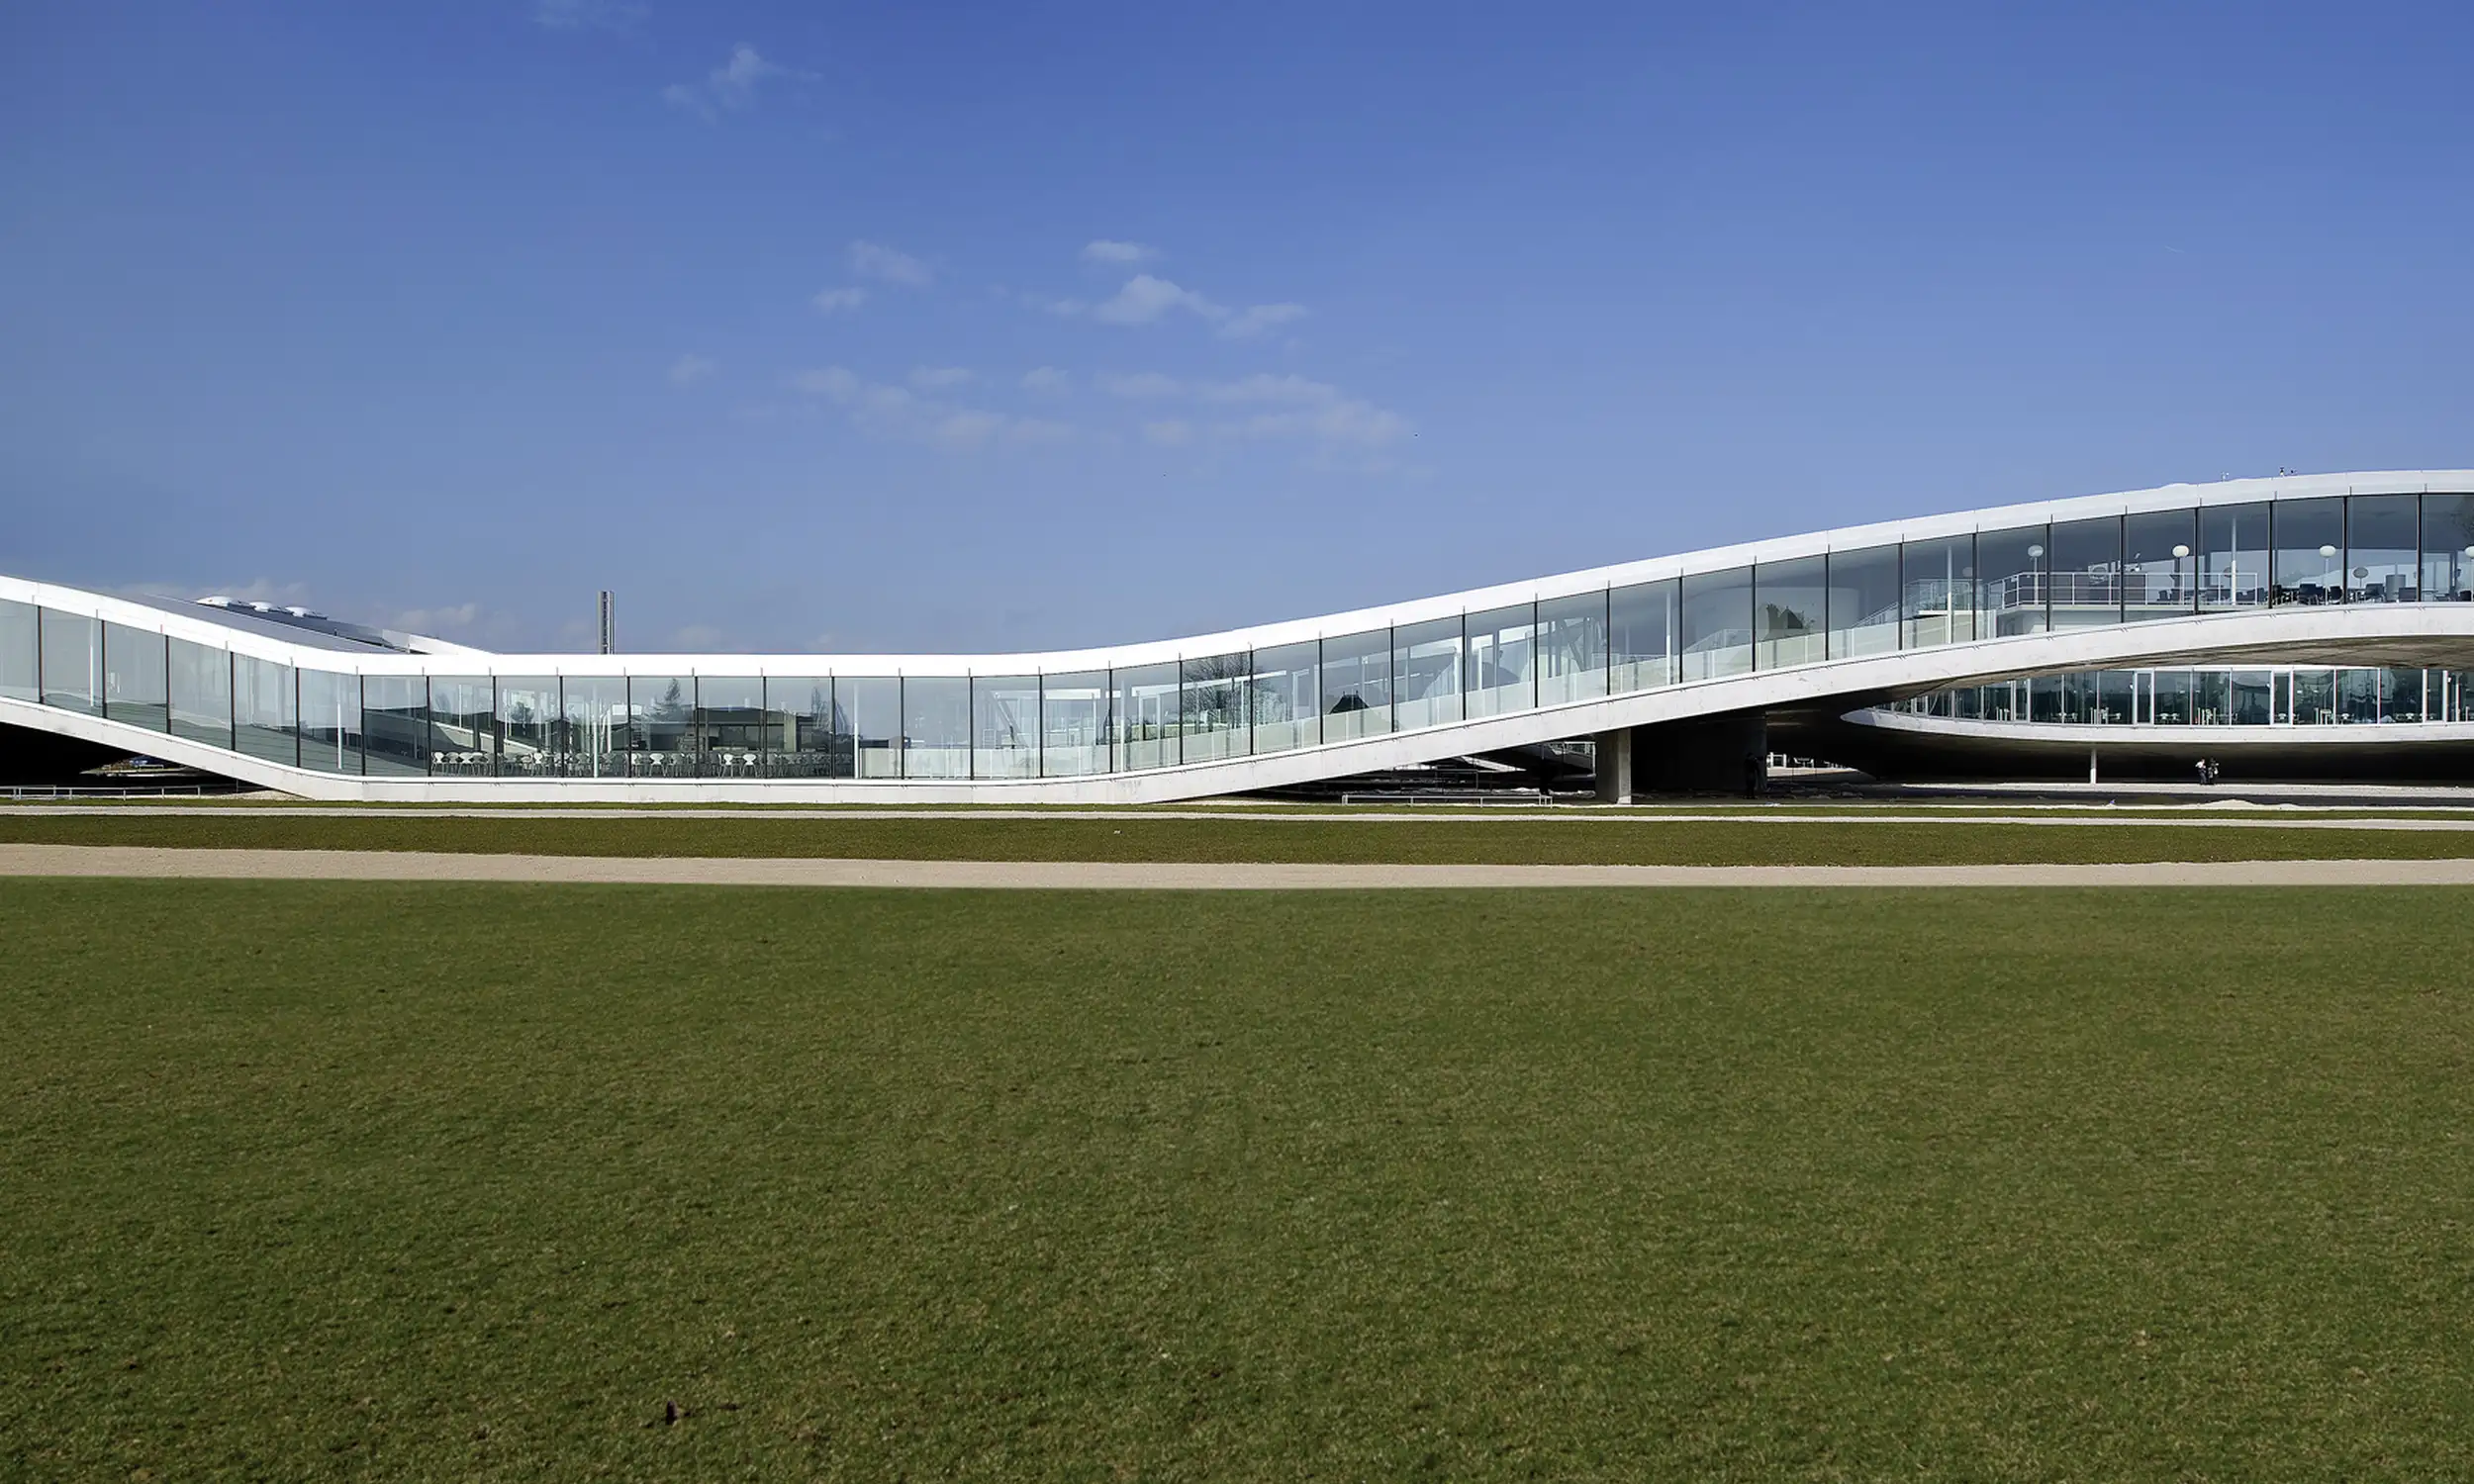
pixel 1645 839
pixel 462 1182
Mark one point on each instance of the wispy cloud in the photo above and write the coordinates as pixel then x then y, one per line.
pixel 1046 379
pixel 835 301
pixel 590 15
pixel 1141 385
pixel 939 378
pixel 1146 298
pixel 897 411
pixel 1124 254
pixel 1255 319
pixel 729 88
pixel 876 260
pixel 688 370
pixel 1262 407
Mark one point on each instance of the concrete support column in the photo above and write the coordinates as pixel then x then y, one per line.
pixel 1705 755
pixel 1615 766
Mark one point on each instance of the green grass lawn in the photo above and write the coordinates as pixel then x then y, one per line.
pixel 442 1181
pixel 1643 839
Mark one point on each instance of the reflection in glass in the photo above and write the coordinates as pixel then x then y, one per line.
pixel 1288 699
pixel 2113 697
pixel 1936 591
pixel 2358 696
pixel 2173 697
pixel 395 722
pixel 2233 556
pixel 595 711
pixel 1572 648
pixel 134 682
pixel 1790 613
pixel 331 721
pixel 1501 667
pixel 2447 548
pixel 72 661
pixel 1005 726
pixel 660 725
pixel 1640 634
pixel 803 742
pixel 1717 628
pixel 201 693
pixel 2401 694
pixel 2159 564
pixel 2212 698
pixel 1865 606
pixel 868 710
pixel 2247 696
pixel 2011 588
pixel 2085 573
pixel 729 731
pixel 2315 698
pixel 264 722
pixel 1073 724
pixel 1356 685
pixel 2310 540
pixel 463 725
pixel 21 648
pixel 1213 707
pixel 936 726
pixel 529 715
pixel 1146 716
pixel 1426 671
pixel 2382 564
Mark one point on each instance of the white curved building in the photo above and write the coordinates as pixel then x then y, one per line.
pixel 1666 661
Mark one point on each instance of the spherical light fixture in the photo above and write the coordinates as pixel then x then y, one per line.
pixel 2328 551
pixel 2180 552
pixel 2034 551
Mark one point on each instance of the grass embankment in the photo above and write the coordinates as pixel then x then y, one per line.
pixel 1754 841
pixel 466 1181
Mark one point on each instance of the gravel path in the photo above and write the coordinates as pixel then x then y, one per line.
pixel 418 866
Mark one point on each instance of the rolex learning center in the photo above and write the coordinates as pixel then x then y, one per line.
pixel 2298 626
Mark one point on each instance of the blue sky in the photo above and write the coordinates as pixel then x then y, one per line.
pixel 1008 325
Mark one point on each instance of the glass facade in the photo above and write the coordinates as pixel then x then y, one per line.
pixel 1572 648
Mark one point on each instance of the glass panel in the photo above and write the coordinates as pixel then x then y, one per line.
pixel 1356 685
pixel 1790 613
pixel 1214 707
pixel 2045 699
pixel 395 723
pixel 730 732
pixel 595 709
pixel 2212 698
pixel 1641 633
pixel 2160 564
pixel 1288 697
pixel 262 702
pixel 2233 556
pixel 2173 697
pixel 2401 696
pixel 1426 671
pixel 1936 591
pixel 1572 648
pixel 201 692
pixel 2249 696
pixel 2382 532
pixel 528 725
pixel 936 726
pixel 331 721
pixel 1717 628
pixel 868 710
pixel 1073 724
pixel 72 661
pixel 2357 695
pixel 1005 726
pixel 463 725
pixel 661 725
pixel 1502 660
pixel 1865 608
pixel 2086 573
pixel 2113 697
pixel 2447 548
pixel 2310 551
pixel 1146 716
pixel 2010 590
pixel 135 687
pixel 21 648
pixel 802 740
pixel 2315 698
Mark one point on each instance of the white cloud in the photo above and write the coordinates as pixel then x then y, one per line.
pixel 1144 299
pixel 1255 319
pixel 1170 432
pixel 1142 385
pixel 1103 251
pixel 1291 389
pixel 589 15
pixel 893 412
pixel 876 260
pixel 835 301
pixel 937 377
pixel 688 370
pixel 730 87
pixel 1046 379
